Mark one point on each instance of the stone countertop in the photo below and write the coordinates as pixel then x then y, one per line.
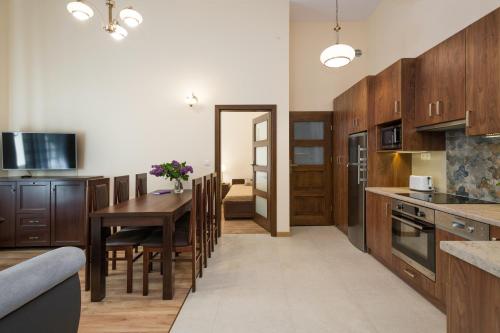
pixel 484 255
pixel 487 213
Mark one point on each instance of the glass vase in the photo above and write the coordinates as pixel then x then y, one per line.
pixel 178 188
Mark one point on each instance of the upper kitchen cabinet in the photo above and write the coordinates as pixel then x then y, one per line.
pixel 394 90
pixel 483 75
pixel 440 83
pixel 360 105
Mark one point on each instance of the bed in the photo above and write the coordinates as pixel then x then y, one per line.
pixel 238 203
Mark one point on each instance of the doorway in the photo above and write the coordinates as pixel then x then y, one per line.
pixel 258 191
pixel 311 168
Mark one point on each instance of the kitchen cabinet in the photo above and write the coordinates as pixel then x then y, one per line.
pixel 378 227
pixel 474 300
pixel 440 83
pixel 483 75
pixel 358 106
pixel 7 214
pixel 414 278
pixel 442 264
pixel 340 141
pixel 67 218
pixel 388 92
pixel 494 233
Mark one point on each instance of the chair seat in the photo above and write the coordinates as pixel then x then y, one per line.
pixel 127 238
pixel 180 238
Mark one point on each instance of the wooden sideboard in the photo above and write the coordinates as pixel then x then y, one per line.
pixel 43 211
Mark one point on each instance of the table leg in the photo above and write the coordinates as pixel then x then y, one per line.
pixel 168 264
pixel 97 264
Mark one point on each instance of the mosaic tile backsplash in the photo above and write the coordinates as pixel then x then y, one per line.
pixel 473 166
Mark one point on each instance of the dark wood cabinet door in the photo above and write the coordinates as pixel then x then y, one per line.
pixel 450 102
pixel 33 197
pixel 378 227
pixel 483 75
pixel 387 106
pixel 341 122
pixel 68 213
pixel 311 168
pixel 442 264
pixel 359 108
pixel 7 214
pixel 426 77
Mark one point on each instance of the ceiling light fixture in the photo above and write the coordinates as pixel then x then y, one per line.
pixel 338 55
pixel 132 18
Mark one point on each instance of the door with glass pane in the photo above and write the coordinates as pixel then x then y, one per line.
pixel 310 168
pixel 262 170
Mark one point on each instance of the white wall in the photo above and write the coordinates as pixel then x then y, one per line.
pixel 312 85
pixel 236 144
pixel 4 69
pixel 126 99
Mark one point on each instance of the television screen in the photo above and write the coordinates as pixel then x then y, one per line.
pixel 38 151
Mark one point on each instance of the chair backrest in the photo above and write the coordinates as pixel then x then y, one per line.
pixel 214 192
pixel 122 188
pixel 98 193
pixel 237 181
pixel 141 184
pixel 196 221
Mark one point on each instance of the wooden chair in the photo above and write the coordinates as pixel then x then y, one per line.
pixel 122 240
pixel 141 184
pixel 215 227
pixel 188 238
pixel 207 225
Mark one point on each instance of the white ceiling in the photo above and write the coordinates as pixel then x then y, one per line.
pixel 324 10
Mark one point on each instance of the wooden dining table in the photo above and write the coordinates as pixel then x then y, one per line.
pixel 149 210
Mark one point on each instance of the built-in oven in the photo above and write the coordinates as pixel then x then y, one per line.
pixel 390 137
pixel 413 237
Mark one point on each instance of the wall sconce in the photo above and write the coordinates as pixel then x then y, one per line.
pixel 191 100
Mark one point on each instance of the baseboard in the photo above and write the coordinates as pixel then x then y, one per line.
pixel 283 234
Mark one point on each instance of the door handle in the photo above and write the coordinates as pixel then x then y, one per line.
pixel 437 108
pixel 410 274
pixel 467 118
pixel 396 106
pixel 2 219
pixel 430 109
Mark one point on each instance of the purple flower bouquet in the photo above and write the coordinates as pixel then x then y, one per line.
pixel 174 171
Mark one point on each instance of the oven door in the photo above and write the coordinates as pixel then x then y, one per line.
pixel 414 242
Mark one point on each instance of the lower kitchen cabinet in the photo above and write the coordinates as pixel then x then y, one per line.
pixel 414 278
pixel 473 300
pixel 378 227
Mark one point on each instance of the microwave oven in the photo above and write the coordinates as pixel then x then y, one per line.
pixel 390 137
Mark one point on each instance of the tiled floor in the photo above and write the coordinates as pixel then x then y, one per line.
pixel 314 281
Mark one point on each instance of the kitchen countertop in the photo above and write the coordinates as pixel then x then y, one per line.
pixel 484 255
pixel 487 213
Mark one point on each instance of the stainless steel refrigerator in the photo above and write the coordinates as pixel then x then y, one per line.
pixel 356 183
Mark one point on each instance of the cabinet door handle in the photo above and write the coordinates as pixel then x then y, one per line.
pixel 430 109
pixel 410 274
pixel 33 221
pixel 396 106
pixel 2 219
pixel 438 103
pixel 467 118
pixel 13 189
pixel 33 238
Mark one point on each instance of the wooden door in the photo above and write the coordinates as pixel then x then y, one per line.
pixel 442 264
pixel 33 197
pixel 378 227
pixel 310 168
pixel 426 87
pixel 483 75
pixel 262 145
pixel 67 222
pixel 450 102
pixel 7 214
pixel 387 92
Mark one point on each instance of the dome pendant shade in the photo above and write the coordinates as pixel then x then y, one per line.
pixel 337 55
pixel 80 10
pixel 118 32
pixel 131 17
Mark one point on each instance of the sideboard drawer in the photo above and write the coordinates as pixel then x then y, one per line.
pixel 33 236
pixel 32 221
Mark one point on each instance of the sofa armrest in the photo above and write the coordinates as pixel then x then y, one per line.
pixel 26 281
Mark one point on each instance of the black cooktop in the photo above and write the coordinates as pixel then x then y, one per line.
pixel 442 198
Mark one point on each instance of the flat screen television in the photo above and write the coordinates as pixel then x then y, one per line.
pixel 38 151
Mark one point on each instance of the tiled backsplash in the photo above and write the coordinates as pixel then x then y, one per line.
pixel 473 166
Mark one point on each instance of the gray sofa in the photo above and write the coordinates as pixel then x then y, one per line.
pixel 42 294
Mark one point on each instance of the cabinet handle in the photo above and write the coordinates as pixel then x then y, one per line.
pixel 437 108
pixel 467 118
pixel 396 106
pixel 33 238
pixel 387 207
pixel 430 109
pixel 33 221
pixel 2 219
pixel 410 274
pixel 13 189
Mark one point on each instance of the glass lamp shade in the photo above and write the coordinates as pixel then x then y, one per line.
pixel 337 55
pixel 191 100
pixel 80 10
pixel 118 32
pixel 131 17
